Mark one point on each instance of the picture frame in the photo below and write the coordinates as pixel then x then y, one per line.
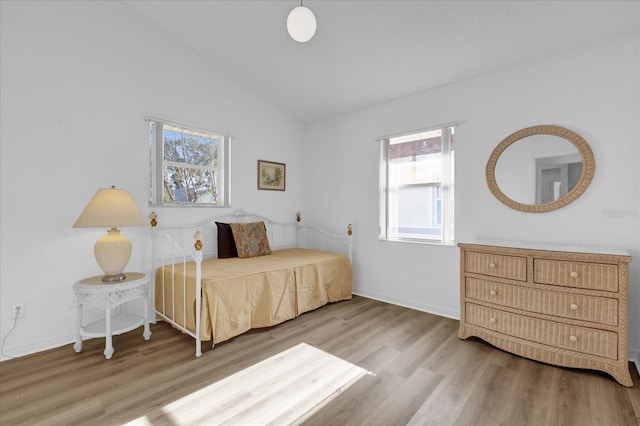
pixel 272 176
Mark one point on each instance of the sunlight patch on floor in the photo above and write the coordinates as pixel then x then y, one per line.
pixel 284 389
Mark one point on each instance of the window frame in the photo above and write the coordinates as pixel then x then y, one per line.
pixel 157 165
pixel 446 185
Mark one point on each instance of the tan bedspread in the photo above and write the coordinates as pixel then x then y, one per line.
pixel 241 294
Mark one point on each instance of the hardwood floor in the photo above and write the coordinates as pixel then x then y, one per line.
pixel 419 373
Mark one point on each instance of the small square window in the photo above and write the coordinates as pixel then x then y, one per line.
pixel 189 167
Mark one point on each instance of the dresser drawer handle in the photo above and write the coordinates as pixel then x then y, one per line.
pixel 492 320
pixel 492 265
pixel 492 292
pixel 573 274
pixel 573 307
pixel 573 338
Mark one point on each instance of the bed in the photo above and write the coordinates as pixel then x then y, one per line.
pixel 206 290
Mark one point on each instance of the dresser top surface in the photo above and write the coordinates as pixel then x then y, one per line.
pixel 573 248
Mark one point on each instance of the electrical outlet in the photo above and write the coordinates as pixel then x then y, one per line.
pixel 17 311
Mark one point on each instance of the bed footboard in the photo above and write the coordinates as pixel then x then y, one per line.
pixel 313 237
pixel 175 310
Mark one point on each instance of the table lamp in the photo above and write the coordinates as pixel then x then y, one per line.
pixel 111 207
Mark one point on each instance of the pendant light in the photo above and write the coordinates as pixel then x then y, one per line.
pixel 301 24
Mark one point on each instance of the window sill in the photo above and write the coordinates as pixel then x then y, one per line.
pixel 424 242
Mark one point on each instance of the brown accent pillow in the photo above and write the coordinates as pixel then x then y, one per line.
pixel 226 243
pixel 251 239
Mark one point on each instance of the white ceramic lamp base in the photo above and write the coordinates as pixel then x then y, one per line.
pixel 112 254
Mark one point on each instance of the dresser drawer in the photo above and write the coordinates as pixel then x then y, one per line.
pixel 496 265
pixel 594 276
pixel 600 310
pixel 579 339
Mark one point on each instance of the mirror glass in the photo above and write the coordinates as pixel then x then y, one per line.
pixel 538 169
pixel 541 168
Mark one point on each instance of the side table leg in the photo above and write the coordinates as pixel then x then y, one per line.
pixel 147 331
pixel 78 345
pixel 108 344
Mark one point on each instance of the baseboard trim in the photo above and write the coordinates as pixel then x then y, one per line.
pixel 411 304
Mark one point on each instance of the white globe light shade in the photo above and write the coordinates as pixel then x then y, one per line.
pixel 301 24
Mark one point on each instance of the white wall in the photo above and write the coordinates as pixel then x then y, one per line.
pixel 594 91
pixel 77 80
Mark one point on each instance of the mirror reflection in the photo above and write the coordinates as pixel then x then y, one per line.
pixel 538 169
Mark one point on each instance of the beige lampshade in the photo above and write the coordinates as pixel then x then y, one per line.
pixel 110 207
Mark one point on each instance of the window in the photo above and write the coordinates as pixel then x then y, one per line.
pixel 416 186
pixel 189 167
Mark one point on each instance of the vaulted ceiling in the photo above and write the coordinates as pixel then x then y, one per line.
pixel 367 52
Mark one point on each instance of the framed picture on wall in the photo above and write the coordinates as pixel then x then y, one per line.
pixel 271 175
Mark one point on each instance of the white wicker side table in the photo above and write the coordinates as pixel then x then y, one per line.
pixel 107 296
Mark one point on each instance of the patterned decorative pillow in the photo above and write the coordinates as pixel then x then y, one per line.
pixel 251 239
pixel 226 242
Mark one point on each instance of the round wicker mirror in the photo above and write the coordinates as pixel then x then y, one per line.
pixel 548 169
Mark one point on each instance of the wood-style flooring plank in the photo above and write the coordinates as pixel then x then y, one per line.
pixel 417 372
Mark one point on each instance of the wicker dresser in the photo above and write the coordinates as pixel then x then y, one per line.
pixel 563 305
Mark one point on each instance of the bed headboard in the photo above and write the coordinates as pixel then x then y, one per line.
pixel 177 241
